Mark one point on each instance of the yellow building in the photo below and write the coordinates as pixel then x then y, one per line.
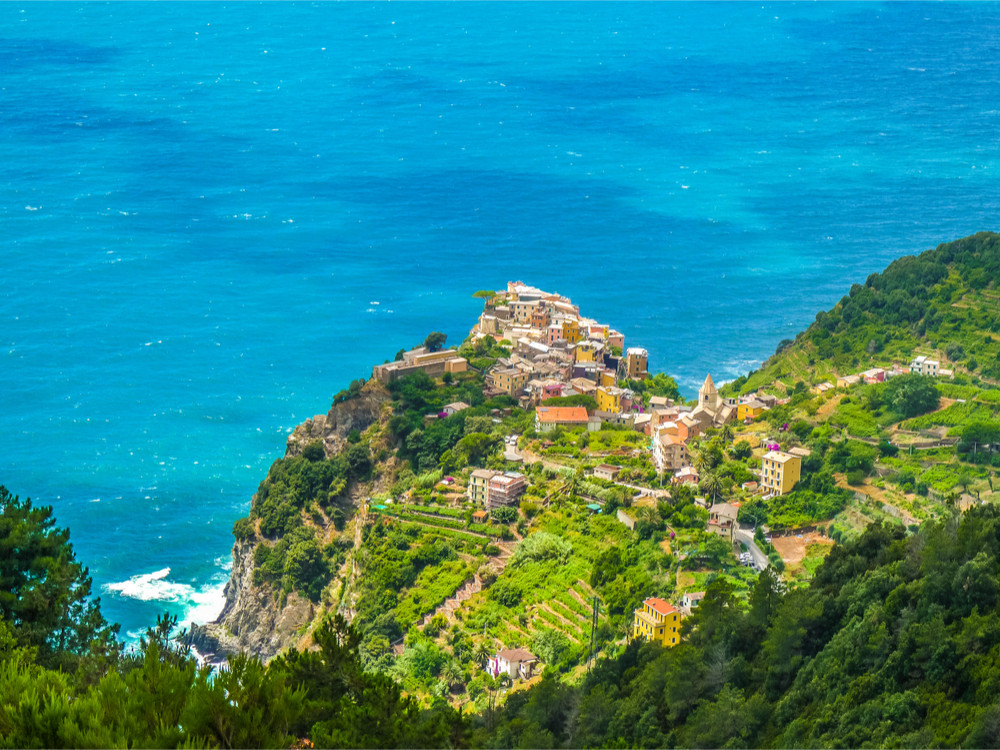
pixel 571 330
pixel 609 400
pixel 658 620
pixel 635 363
pixel 749 410
pixel 511 381
pixel 479 483
pixel 608 378
pixel 584 352
pixel 779 472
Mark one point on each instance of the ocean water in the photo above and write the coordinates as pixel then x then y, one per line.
pixel 214 216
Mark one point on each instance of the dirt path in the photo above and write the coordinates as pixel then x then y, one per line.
pixel 829 407
pixel 793 548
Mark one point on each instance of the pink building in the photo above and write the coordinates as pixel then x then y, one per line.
pixel 552 390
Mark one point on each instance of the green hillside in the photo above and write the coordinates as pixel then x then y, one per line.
pixel 893 644
pixel 944 302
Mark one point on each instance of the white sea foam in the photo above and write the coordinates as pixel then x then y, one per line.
pixel 148 587
pixel 198 606
pixel 206 605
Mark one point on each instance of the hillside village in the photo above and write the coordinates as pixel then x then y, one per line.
pixel 579 417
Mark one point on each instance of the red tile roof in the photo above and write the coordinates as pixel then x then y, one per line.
pixel 561 414
pixel 661 606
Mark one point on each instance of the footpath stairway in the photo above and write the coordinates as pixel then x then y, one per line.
pixel 472 586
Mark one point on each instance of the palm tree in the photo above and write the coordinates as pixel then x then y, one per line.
pixel 452 674
pixel 649 515
pixel 712 485
pixel 481 652
pixel 726 433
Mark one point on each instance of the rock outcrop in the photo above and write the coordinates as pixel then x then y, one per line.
pixel 357 413
pixel 255 619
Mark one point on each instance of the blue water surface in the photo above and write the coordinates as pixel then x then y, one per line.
pixel 214 216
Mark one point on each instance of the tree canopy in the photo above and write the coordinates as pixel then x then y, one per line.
pixel 44 592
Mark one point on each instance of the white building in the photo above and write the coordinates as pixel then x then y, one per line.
pixel 515 662
pixel 924 366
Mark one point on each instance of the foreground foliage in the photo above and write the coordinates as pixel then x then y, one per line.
pixel 65 683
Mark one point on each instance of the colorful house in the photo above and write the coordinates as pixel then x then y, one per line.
pixel 511 380
pixel 636 361
pixel 750 410
pixel 847 381
pixel 479 483
pixel 505 489
pixel 779 472
pixel 549 417
pixel 657 620
pixel 609 399
pixel 571 330
pixel 585 351
pixel 722 520
pixel 540 317
pixel 616 339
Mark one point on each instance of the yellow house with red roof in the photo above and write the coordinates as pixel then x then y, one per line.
pixel 658 620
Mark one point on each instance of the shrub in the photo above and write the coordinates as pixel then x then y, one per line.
pixel 911 394
pixel 435 625
pixel 540 547
pixel 505 593
pixel 503 514
pixel 244 529
pixel 314 451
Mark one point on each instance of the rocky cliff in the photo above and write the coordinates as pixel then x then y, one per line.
pixel 256 618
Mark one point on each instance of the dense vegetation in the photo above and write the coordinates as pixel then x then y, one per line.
pixel 65 682
pixel 891 641
pixel 894 643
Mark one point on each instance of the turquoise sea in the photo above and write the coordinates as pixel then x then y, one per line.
pixel 214 216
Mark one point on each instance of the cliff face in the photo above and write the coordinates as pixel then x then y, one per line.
pixel 254 619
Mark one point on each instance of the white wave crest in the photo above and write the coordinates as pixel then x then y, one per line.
pixel 149 587
pixel 198 606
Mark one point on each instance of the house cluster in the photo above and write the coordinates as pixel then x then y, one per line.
pixel 921 365
pixel 557 352
pixel 672 427
pixel 926 366
pixel 869 377
pixel 493 489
